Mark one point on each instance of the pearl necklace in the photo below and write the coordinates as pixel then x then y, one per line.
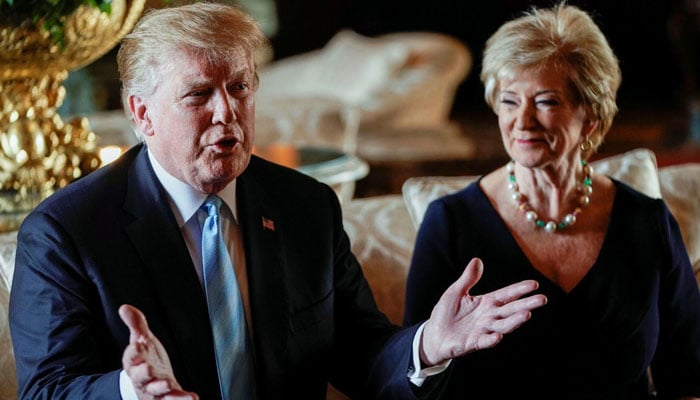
pixel 586 189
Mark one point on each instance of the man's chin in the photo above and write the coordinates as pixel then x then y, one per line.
pixel 228 168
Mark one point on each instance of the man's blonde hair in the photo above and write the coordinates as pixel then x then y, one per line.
pixel 212 30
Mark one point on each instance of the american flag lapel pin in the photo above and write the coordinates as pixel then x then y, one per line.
pixel 268 224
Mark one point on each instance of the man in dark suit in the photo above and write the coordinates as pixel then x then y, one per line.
pixel 124 242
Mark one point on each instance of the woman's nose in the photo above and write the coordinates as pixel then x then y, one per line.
pixel 525 117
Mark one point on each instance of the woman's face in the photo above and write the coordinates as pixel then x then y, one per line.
pixel 541 120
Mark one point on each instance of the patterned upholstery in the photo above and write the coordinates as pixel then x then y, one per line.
pixel 8 375
pixel 382 240
pixel 680 185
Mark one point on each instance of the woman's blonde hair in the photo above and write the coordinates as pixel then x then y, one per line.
pixel 212 30
pixel 567 38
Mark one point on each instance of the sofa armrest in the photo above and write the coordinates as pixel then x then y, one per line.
pixel 8 374
pixel 679 187
pixel 382 238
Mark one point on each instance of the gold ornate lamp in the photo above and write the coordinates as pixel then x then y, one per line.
pixel 39 153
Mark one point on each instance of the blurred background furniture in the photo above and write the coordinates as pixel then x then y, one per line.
pixel 397 80
pixel 314 121
pixel 326 125
pixel 401 87
pixel 336 168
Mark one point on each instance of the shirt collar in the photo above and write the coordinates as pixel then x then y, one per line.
pixel 184 199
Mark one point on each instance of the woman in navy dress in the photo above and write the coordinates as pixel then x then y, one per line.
pixel 623 313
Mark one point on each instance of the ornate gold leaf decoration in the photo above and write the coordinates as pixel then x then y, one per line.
pixel 39 152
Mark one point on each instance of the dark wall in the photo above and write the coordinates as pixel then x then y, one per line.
pixel 637 31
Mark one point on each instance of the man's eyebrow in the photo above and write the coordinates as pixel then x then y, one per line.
pixel 242 72
pixel 194 82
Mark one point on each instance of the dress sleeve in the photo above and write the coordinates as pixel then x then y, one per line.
pixel 676 364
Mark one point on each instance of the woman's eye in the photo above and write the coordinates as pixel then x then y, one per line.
pixel 547 102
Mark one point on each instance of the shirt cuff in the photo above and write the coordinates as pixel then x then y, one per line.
pixel 417 374
pixel 126 387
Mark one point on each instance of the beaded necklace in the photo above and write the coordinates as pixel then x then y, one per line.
pixel 586 189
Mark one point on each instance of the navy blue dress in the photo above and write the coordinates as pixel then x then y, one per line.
pixel 638 306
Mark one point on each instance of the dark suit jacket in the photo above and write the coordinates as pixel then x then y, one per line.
pixel 111 238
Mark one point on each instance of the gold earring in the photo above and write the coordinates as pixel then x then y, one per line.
pixel 586 145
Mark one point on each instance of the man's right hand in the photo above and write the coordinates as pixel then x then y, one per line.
pixel 146 362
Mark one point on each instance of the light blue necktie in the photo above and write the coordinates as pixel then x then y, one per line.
pixel 233 358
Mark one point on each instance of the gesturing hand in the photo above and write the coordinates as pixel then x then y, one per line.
pixel 146 361
pixel 461 323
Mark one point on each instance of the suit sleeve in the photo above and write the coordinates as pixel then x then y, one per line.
pixel 61 347
pixel 368 347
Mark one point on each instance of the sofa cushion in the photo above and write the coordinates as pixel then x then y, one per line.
pixel 382 238
pixel 636 167
pixel 8 375
pixel 680 185
pixel 418 192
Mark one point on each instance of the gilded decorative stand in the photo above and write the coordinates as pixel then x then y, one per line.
pixel 39 152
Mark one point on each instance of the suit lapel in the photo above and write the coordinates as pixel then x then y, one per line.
pixel 158 240
pixel 263 232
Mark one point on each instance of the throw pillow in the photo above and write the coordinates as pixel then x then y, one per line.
pixel 679 186
pixel 636 167
pixel 418 192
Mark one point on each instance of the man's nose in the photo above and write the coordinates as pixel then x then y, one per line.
pixel 223 109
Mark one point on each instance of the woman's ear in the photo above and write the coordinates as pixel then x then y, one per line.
pixel 139 111
pixel 591 127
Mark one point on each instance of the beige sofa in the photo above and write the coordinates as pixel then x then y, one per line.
pixel 383 229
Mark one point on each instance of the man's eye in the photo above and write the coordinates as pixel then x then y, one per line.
pixel 238 86
pixel 198 93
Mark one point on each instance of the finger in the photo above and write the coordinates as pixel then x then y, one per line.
pixel 488 340
pixel 132 356
pixel 135 321
pixel 141 375
pixel 511 323
pixel 514 291
pixel 180 395
pixel 525 304
pixel 158 387
pixel 471 275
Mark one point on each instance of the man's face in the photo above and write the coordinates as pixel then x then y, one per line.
pixel 199 121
